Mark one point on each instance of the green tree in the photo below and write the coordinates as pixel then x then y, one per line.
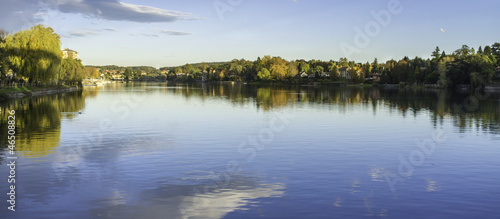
pixel 367 68
pixel 375 66
pixel 487 51
pixel 264 75
pixel 35 53
pixel 178 70
pixel 292 69
pixel 334 72
pixel 279 68
pixel 318 71
pixel 343 62
pixel 204 66
pixel 463 52
pixel 4 63
pixel 436 55
pixel 303 67
pixel 187 68
pixel 71 71
pixel 91 72
pixel 128 73
pixel 441 71
pixel 495 51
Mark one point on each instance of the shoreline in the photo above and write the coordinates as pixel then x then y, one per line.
pixel 30 92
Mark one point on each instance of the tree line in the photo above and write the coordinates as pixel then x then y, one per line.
pixel 464 66
pixel 34 55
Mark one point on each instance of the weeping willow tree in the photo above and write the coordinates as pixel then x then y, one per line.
pixel 4 64
pixel 35 53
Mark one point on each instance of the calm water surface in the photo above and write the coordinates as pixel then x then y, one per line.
pixel 157 150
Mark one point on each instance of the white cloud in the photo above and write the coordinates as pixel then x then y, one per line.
pixel 175 33
pixel 18 14
pixel 116 10
pixel 149 35
pixel 110 29
pixel 82 33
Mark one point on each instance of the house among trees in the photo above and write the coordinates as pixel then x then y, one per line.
pixel 345 72
pixel 68 53
pixel 375 77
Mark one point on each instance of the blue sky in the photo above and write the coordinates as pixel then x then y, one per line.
pixel 171 33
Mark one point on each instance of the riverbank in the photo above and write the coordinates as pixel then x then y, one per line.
pixel 10 93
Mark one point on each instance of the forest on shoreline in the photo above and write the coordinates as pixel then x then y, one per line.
pixel 35 56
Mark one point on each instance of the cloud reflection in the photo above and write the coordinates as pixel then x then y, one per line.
pixel 186 201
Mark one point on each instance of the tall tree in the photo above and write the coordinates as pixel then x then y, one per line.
pixel 487 51
pixel 334 71
pixel 318 71
pixel 443 81
pixel 480 50
pixel 35 53
pixel 128 73
pixel 343 62
pixel 367 68
pixel 292 69
pixel 495 50
pixel 436 55
pixel 375 66
pixel 71 71
pixel 4 63
pixel 279 68
pixel 303 66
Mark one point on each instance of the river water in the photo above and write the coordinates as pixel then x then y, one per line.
pixel 158 150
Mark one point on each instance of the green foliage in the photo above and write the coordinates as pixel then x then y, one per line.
pixel 187 68
pixel 318 70
pixel 303 67
pixel 91 72
pixel 264 74
pixel 436 55
pixel 432 78
pixel 357 74
pixel 71 71
pixel 343 62
pixel 178 70
pixel 35 53
pixel 334 72
pixel 4 63
pixel 443 80
pixel 293 70
pixel 496 52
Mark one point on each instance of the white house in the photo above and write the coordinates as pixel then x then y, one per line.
pixel 345 72
pixel 68 53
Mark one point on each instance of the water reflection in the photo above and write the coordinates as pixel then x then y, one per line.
pixel 38 121
pixel 187 201
pixel 441 103
pixel 158 162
